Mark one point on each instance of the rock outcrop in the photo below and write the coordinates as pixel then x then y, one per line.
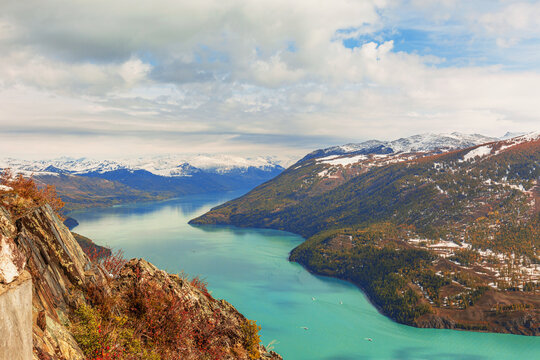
pixel 60 273
pixel 16 318
pixel 15 296
pixel 12 261
pixel 39 246
pixel 229 332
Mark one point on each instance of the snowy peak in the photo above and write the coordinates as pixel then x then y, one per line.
pixel 415 143
pixel 510 135
pixel 438 142
pixel 173 165
pixel 62 165
pixel 357 162
pixel 168 166
pixel 533 136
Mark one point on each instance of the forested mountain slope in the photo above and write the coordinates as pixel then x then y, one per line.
pixel 439 232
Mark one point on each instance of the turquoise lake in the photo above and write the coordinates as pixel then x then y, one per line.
pixel 249 268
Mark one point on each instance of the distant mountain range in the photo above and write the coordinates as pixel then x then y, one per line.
pixel 415 143
pixel 86 182
pixel 168 165
pixel 439 232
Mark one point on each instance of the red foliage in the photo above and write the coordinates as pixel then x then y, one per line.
pixel 27 189
pixel 113 262
pixel 107 352
pixel 174 324
pixel 202 286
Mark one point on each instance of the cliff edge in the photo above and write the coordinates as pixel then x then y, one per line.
pixel 79 310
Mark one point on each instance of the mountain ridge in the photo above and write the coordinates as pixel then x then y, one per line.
pixel 166 165
pixel 415 143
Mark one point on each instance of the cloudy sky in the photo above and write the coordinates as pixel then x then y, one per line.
pixel 279 77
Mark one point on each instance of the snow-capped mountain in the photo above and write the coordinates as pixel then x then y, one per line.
pixel 171 165
pixel 415 143
pixel 168 166
pixel 87 182
pixel 63 165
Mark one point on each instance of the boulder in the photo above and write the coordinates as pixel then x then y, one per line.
pixel 12 261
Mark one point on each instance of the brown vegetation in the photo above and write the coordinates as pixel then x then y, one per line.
pixel 26 195
pixel 145 314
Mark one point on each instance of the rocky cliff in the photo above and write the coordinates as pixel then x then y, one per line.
pixel 70 294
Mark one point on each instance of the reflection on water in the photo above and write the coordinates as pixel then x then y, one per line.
pixel 249 268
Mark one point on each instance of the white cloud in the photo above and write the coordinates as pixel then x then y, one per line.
pixel 169 75
pixel 30 69
pixel 513 23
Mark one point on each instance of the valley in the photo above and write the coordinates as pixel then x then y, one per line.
pixel 250 268
pixel 436 238
pixel 268 180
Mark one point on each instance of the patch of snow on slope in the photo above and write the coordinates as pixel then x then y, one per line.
pixel 478 152
pixel 345 161
pixel 519 187
pixel 519 140
pixel 448 244
pixel 323 173
pixel 441 190
pixel 528 137
pixel 327 158
pixel 326 174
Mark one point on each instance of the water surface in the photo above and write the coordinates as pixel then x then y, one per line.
pixel 249 268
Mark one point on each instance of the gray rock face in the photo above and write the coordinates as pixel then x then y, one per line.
pixel 59 271
pixel 16 318
pixel 12 261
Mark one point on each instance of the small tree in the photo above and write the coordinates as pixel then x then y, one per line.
pixel 252 340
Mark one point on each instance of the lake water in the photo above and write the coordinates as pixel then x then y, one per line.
pixel 249 268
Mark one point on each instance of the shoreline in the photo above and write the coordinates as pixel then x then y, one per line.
pixel 432 320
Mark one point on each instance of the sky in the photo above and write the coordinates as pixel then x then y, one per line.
pixel 117 78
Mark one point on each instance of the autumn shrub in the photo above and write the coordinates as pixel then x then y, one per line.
pixel 202 285
pixel 95 340
pixel 112 262
pixel 148 320
pixel 107 338
pixel 173 324
pixel 28 194
pixel 250 331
